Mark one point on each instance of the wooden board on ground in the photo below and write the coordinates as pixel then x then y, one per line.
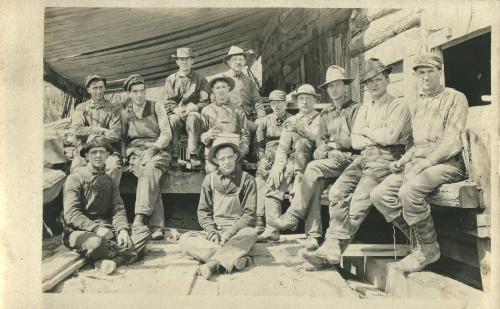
pixel 361 250
pixel 57 263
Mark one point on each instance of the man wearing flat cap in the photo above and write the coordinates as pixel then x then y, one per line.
pixel 226 212
pixel 222 116
pixel 185 97
pixel 146 139
pixel 333 154
pixel 94 218
pixel 269 129
pixel 381 133
pixel 437 117
pixel 98 119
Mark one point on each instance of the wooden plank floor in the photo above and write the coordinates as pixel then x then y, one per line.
pixel 277 270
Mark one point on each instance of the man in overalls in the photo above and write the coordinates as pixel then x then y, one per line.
pixel 146 137
pixel 269 129
pixel 94 218
pixel 381 132
pixel 222 116
pixel 245 93
pixel 98 119
pixel 185 97
pixel 295 150
pixel 226 212
pixel 437 118
pixel 332 155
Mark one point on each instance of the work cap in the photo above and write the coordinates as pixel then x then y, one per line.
pixel 132 80
pixel 93 77
pixel 428 60
pixel 93 144
pixel 277 95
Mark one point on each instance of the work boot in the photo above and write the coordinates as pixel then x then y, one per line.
pixel 426 250
pixel 296 183
pixel 158 234
pixel 327 255
pixel 286 221
pixel 259 224
pixel 311 243
pixel 269 234
pixel 140 219
pixel 403 226
pixel 241 263
pixel 107 267
pixel 207 270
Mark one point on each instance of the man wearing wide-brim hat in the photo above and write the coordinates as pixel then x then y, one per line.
pixel 185 97
pixel 438 117
pixel 269 130
pixel 333 153
pixel 98 119
pixel 226 212
pixel 381 133
pixel 222 116
pixel 94 218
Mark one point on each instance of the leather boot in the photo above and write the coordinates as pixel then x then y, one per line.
pixel 311 243
pixel 285 222
pixel 140 219
pixel 107 267
pixel 327 255
pixel 426 250
pixel 207 270
pixel 269 234
pixel 259 224
pixel 241 263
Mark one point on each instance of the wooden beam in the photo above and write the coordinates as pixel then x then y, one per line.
pixel 462 194
pixel 52 282
pixel 51 76
pixel 57 263
pixel 387 250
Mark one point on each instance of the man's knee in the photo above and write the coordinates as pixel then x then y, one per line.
pixel 377 195
pixel 248 232
pixel 407 194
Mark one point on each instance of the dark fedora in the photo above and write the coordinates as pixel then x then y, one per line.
pixel 374 67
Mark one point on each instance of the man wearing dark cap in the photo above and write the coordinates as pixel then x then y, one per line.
pixel 381 132
pixel 226 212
pixel 332 155
pixel 95 221
pixel 146 139
pixel 98 119
pixel 185 97
pixel 222 116
pixel 437 118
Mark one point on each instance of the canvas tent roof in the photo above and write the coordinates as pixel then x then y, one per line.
pixel 121 41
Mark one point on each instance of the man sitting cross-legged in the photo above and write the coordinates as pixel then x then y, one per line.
pixel 226 212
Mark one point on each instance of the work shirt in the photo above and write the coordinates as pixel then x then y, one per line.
pixel 288 139
pixel 335 125
pixel 184 89
pixel 90 196
pixel 438 120
pixel 229 184
pixel 245 93
pixel 227 117
pixel 150 126
pixel 101 119
pixel 269 130
pixel 382 122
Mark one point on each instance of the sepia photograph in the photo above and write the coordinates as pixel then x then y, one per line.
pixel 282 151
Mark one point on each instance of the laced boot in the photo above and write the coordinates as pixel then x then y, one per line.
pixel 259 224
pixel 241 263
pixel 311 243
pixel 286 221
pixel 426 250
pixel 326 256
pixel 269 234
pixel 207 270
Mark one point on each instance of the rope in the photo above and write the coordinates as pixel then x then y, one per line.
pixel 394 240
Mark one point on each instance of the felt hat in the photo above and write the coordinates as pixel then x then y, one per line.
pixel 230 81
pixel 92 77
pixel 428 60
pixel 373 67
pixel 184 52
pixel 132 80
pixel 277 95
pixel 234 50
pixel 306 89
pixel 224 139
pixel 334 73
pixel 93 144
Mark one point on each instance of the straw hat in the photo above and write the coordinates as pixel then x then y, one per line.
pixel 334 73
pixel 184 52
pixel 306 89
pixel 234 50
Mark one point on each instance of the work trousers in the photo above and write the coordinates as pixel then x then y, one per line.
pixel 253 146
pixel 197 245
pixel 306 204
pixel 95 247
pixel 113 166
pixel 399 195
pixel 193 125
pixel 349 197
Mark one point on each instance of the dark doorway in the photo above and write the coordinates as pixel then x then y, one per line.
pixel 467 68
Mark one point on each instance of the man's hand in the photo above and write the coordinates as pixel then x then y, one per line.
pixel 214 237
pixel 395 167
pixel 124 239
pixel 104 232
pixel 225 237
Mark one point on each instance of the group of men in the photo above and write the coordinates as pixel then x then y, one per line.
pixel 388 152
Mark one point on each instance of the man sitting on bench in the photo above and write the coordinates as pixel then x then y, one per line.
pixel 226 212
pixel 95 221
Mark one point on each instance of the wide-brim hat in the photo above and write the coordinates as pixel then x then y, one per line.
pixel 132 80
pixel 92 77
pixel 234 50
pixel 305 89
pixel 277 95
pixel 230 81
pixel 334 73
pixel 224 139
pixel 428 60
pixel 93 144
pixel 184 52
pixel 374 67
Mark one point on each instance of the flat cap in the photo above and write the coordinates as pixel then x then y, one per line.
pixel 92 77
pixel 429 60
pixel 132 80
pixel 277 95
